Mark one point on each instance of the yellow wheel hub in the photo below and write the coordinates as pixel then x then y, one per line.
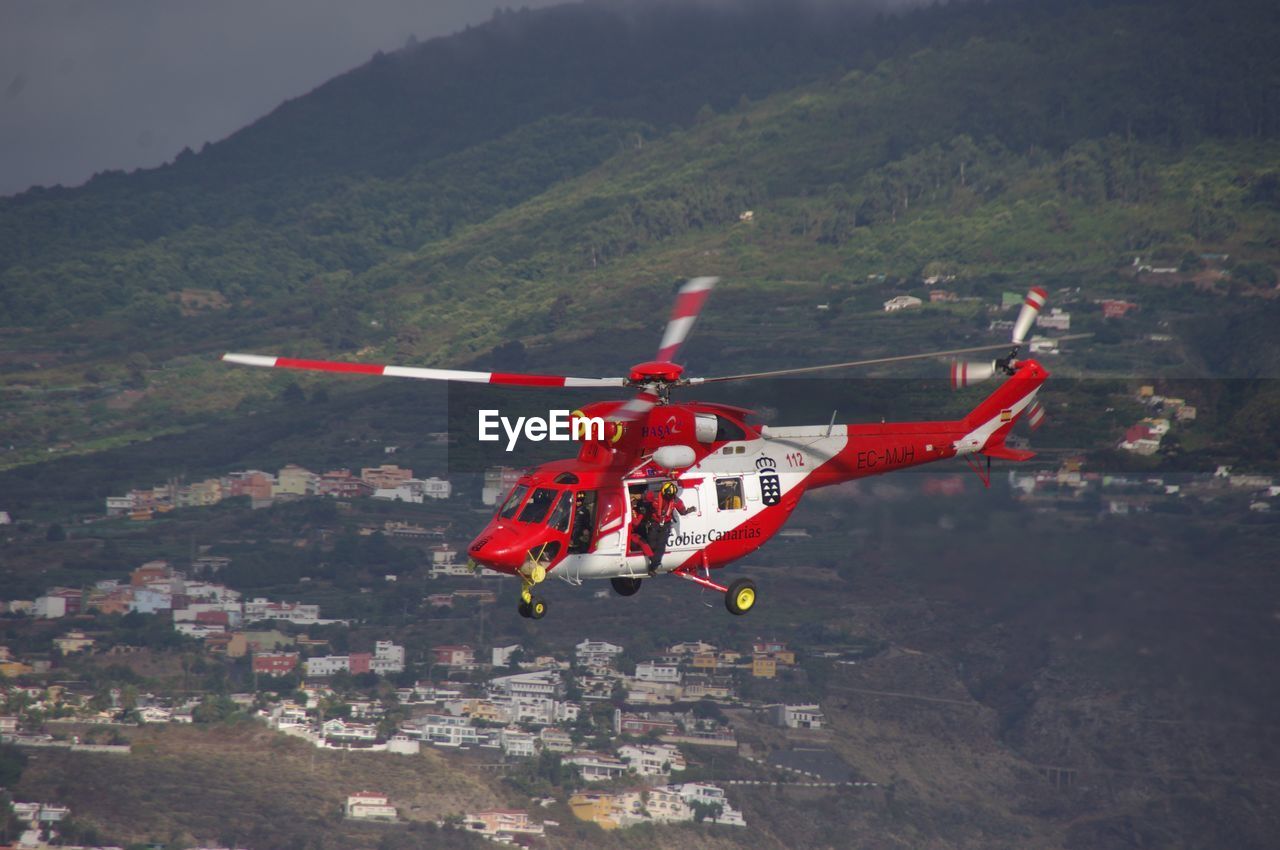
pixel 745 599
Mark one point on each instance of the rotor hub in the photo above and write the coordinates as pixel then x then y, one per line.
pixel 655 372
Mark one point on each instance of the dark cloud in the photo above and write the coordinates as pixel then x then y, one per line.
pixel 99 85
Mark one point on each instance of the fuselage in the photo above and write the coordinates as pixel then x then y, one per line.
pixel 741 481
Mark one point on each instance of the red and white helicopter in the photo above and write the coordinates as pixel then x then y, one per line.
pixel 572 518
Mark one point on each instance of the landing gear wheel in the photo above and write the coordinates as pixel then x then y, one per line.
pixel 537 608
pixel 523 608
pixel 624 586
pixel 741 597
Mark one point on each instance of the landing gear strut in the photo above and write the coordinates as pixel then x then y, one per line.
pixel 625 586
pixel 532 574
pixel 739 597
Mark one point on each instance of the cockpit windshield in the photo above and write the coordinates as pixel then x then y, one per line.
pixel 539 503
pixel 513 501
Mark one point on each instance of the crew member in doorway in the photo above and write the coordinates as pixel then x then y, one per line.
pixel 659 508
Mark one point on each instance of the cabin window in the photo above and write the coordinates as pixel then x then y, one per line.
pixel 729 494
pixel 513 501
pixel 535 510
pixel 559 520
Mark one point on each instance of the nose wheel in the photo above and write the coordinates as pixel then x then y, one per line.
pixel 535 608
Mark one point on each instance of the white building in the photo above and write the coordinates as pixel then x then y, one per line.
pixel 387 658
pixel 1056 319
pixel 293 612
pixel 518 744
pixel 807 716
pixel 415 490
pixel 327 665
pixel 901 302
pixel 538 683
pixel 595 767
pixel 366 805
pixel 403 745
pixel 597 653
pixel 443 731
pixel 652 671
pixel 652 759
pixel 500 656
pixel 50 607
pixel 711 795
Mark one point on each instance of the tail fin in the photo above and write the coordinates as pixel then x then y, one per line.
pixel 988 424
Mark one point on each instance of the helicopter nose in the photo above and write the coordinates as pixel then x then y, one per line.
pixel 499 548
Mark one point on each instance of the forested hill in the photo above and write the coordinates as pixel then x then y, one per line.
pixel 501 184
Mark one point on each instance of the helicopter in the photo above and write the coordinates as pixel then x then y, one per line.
pixel 738 482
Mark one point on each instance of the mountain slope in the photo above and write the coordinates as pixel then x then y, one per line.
pixel 1061 142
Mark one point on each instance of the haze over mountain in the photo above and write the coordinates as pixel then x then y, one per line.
pixel 128 84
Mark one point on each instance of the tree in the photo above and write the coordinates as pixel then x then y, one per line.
pixel 55 534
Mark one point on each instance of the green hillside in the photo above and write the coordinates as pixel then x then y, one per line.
pixel 451 199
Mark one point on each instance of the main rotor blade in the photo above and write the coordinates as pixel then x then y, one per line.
pixel 688 304
pixel 507 378
pixel 873 362
pixel 636 408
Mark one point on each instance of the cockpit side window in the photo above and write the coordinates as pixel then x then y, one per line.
pixel 727 429
pixel 535 510
pixel 513 501
pixel 559 520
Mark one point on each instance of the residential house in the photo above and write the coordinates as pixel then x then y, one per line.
pixel 255 484
pixel 458 657
pixel 764 667
pixel 293 612
pixel 341 484
pixel 652 759
pixel 536 683
pixel 386 476
pixel 649 671
pixel 296 481
pixel 595 767
pixel 517 744
pixel 555 739
pixel 274 663
pixel 808 716
pixel 639 725
pixel 341 732
pixel 501 824
pixel 710 795
pixel 596 653
pixel 327 665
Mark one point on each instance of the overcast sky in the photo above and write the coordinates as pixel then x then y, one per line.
pixel 89 85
